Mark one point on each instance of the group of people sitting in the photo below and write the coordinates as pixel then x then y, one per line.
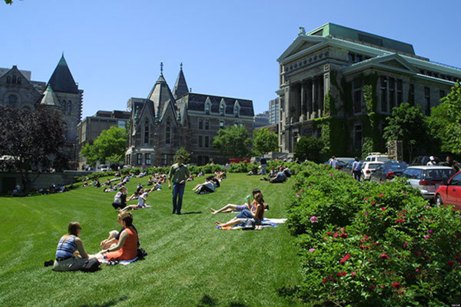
pixel 120 245
pixel 278 175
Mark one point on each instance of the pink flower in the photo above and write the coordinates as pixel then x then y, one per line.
pixel 314 219
pixel 311 250
pixel 345 258
pixel 405 245
pixel 426 237
pixel 430 231
pixel 353 274
pixel 384 256
pixel 380 195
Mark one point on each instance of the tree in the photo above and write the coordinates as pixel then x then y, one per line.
pixel 233 141
pixel 9 1
pixel 308 148
pixel 30 140
pixel 407 124
pixel 264 141
pixel 109 146
pixel 183 154
pixel 445 121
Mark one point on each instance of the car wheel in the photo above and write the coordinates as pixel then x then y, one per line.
pixel 438 201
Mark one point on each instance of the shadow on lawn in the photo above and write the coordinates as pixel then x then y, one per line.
pixel 192 212
pixel 209 301
pixel 109 303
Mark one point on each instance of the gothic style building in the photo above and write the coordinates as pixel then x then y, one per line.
pixel 340 84
pixel 17 90
pixel 167 120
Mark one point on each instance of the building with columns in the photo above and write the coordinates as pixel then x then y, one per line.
pixel 168 120
pixel 340 84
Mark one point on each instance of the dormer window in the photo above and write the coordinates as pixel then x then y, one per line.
pixel 236 109
pixel 207 106
pixel 222 107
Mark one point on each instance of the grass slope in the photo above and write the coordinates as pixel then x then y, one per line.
pixel 190 263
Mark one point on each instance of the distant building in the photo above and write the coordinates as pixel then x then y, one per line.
pixel 167 121
pixel 92 126
pixel 17 90
pixel 274 111
pixel 325 74
pixel 262 119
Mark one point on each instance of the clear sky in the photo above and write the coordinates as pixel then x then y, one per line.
pixel 227 47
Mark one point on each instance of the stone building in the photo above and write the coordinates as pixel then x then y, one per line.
pixel 17 90
pixel 168 120
pixel 340 84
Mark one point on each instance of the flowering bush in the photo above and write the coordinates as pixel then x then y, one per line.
pixel 385 246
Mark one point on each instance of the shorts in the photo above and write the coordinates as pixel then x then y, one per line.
pixel 245 214
pixel 241 208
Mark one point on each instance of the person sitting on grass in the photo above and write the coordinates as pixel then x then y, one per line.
pixel 256 214
pixel 122 245
pixel 120 198
pixel 70 252
pixel 137 193
pixel 141 203
pixel 207 187
pixel 231 207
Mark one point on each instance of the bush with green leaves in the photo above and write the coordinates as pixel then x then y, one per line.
pixel 386 246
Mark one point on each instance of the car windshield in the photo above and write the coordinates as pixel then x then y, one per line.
pixel 396 166
pixel 438 174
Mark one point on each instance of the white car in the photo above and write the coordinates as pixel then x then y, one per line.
pixel 377 157
pixel 427 178
pixel 368 168
pixel 103 168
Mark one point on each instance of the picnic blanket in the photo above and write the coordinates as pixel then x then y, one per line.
pixel 122 262
pixel 266 223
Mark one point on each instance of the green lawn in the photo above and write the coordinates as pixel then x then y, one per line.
pixel 190 263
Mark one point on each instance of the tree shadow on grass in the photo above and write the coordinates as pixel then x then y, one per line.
pixel 209 301
pixel 108 303
pixel 192 212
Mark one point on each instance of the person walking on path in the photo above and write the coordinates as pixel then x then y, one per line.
pixel 177 176
pixel 357 169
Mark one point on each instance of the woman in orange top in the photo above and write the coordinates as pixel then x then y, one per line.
pixel 127 245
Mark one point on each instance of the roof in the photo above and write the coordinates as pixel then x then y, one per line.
pixel 160 94
pixel 180 88
pixel 196 102
pixel 61 80
pixel 49 97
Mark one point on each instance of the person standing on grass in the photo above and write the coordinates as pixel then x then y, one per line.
pixel 177 176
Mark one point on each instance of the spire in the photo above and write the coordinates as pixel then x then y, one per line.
pixel 61 80
pixel 180 88
pixel 160 93
pixel 161 68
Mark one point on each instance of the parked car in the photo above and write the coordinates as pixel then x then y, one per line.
pixel 377 157
pixel 427 178
pixel 388 170
pixel 368 168
pixel 103 168
pixel 450 192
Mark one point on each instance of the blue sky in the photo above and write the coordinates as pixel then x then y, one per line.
pixel 228 48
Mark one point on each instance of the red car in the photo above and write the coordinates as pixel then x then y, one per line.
pixel 450 192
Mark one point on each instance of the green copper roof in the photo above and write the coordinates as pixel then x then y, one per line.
pixel 61 80
pixel 334 30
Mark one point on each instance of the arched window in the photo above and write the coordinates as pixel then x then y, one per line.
pixel 146 131
pixel 236 109
pixel 14 79
pixel 168 131
pixel 64 106
pixel 69 107
pixel 222 108
pixel 12 100
pixel 207 105
pixel 8 79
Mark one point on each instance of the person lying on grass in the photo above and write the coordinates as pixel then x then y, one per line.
pixel 256 213
pixel 121 245
pixel 141 203
pixel 70 252
pixel 231 207
pixel 209 186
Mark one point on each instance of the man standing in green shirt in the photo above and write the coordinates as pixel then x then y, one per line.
pixel 177 176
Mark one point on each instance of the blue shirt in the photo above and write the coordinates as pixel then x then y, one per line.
pixel 66 247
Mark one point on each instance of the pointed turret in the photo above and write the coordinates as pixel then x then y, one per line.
pixel 61 80
pixel 160 94
pixel 180 88
pixel 49 98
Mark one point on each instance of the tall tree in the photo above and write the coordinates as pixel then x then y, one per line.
pixel 264 141
pixel 233 141
pixel 407 124
pixel 9 1
pixel 30 140
pixel 109 146
pixel 308 148
pixel 445 121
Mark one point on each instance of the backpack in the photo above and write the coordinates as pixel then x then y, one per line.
pixel 91 265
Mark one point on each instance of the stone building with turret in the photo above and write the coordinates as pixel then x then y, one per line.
pixel 61 92
pixel 168 120
pixel 340 84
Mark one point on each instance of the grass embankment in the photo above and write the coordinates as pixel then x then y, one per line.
pixel 190 263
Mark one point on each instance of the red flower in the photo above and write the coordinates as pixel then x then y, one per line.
pixel 353 274
pixel 399 221
pixel 335 235
pixel 380 195
pixel 384 256
pixel 345 258
pixel 344 235
pixel 324 280
pixel 343 273
pixel 405 244
pixel 329 233
pixel 364 246
pixel 395 284
pixel 451 263
pixel 383 208
pixel 373 203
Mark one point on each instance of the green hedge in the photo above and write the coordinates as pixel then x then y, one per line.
pixel 364 243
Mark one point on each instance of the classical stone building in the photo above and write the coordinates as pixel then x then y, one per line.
pixel 340 84
pixel 167 120
pixel 61 92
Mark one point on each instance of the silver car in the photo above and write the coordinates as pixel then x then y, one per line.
pixel 427 178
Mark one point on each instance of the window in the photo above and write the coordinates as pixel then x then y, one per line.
pixel 8 80
pixel 391 94
pixel 146 131
pixel 411 94
pixel 221 124
pixel 236 109
pixel 442 94
pixel 358 137
pixel 383 87
pixel 200 141
pixel 121 124
pixel 357 95
pixel 207 141
pixel 427 99
pixel 207 124
pixel 200 123
pixel 207 106
pixel 139 159
pixel 399 91
pixel 168 131
pixel 69 107
pixel 222 108
pixel 12 100
pixel 64 106
pixel 147 159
